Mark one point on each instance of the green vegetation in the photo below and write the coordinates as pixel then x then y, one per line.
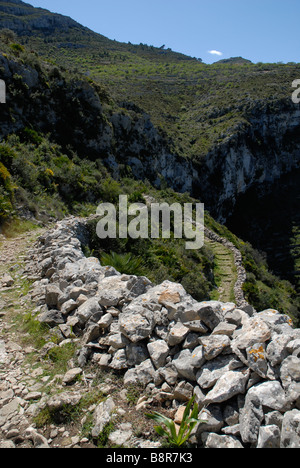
pixel 196 105
pixel 45 182
pixel 124 263
pixel 177 438
pixel 158 259
pixel 224 272
pixel 262 288
pixel 49 172
pixel 70 413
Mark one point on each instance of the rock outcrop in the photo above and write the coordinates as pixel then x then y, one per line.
pixel 259 151
pixel 25 19
pixel 242 365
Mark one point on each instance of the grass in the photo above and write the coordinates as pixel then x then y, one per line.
pixel 225 273
pixel 133 393
pixel 70 414
pixel 33 332
pixel 16 227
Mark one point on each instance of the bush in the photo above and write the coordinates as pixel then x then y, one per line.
pixel 124 263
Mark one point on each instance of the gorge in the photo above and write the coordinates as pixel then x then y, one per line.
pixel 95 331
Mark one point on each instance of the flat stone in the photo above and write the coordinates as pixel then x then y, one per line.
pixel 224 328
pixel 33 396
pixel 61 400
pixel 215 441
pixel 229 385
pixel 102 416
pixel 72 375
pixel 7 281
pixel 122 435
pixel 10 408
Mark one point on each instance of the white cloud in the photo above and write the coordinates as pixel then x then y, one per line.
pixel 215 52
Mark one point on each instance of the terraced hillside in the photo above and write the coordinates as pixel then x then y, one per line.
pixel 224 270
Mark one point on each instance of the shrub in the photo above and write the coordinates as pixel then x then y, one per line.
pixel 189 421
pixel 124 263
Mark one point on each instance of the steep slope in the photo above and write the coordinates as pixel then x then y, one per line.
pixel 234 121
pixel 213 131
pixel 24 19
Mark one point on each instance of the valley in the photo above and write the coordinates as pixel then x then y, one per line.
pixel 96 331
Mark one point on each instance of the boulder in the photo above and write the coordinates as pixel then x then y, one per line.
pixel 7 281
pixel 142 374
pixel 269 437
pixel 215 441
pixel 184 366
pixel 270 395
pixel 177 334
pixel 214 345
pixel 72 375
pixel 51 318
pixel 255 330
pixel 213 370
pixel 136 323
pixel 251 417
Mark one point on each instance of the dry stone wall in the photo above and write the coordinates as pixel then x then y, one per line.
pixel 243 366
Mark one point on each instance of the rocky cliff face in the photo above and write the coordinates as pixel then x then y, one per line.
pixel 262 151
pixel 258 153
pixel 27 20
pixel 74 112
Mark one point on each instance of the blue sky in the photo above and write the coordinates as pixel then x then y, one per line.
pixel 260 30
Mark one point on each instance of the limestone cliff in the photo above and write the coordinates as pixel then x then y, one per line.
pixel 78 113
pixel 261 151
pixel 25 19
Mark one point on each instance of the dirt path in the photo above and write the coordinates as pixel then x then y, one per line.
pixel 17 378
pixel 29 378
pixel 225 271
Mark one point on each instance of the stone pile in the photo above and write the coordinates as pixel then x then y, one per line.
pixel 242 366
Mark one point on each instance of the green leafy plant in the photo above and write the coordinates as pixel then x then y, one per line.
pixel 124 263
pixel 188 423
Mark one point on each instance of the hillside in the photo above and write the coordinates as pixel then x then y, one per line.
pixel 97 333
pixel 213 131
pixel 177 91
